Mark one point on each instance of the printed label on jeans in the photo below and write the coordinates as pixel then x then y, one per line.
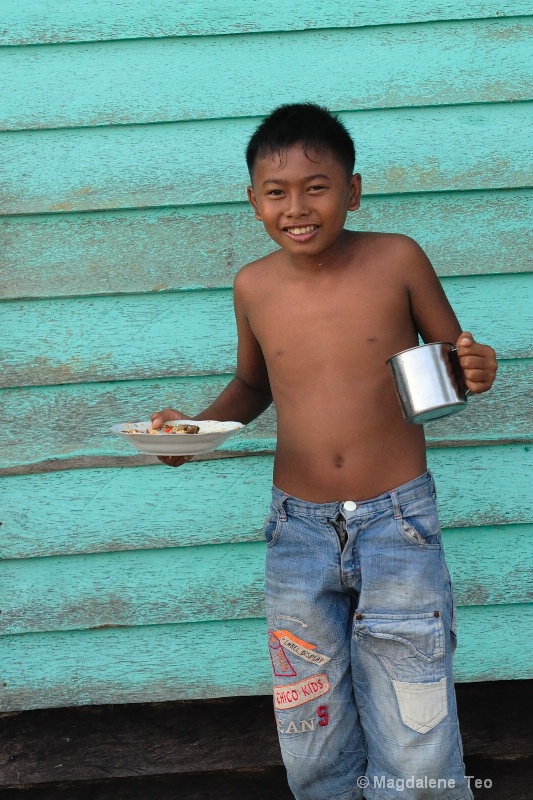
pixel 288 726
pixel 301 726
pixel 281 666
pixel 302 649
pixel 296 694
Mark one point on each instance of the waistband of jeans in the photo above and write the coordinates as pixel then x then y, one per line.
pixel 417 488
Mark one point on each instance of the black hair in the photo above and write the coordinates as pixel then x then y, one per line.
pixel 307 123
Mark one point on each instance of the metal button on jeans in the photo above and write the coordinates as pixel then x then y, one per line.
pixel 349 505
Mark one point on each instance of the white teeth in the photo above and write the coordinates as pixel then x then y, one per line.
pixel 298 231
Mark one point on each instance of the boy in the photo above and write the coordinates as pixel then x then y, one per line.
pixel 359 602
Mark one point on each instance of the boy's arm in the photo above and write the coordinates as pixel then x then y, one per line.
pixel 436 320
pixel 247 395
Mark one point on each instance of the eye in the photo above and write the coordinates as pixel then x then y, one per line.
pixel 318 187
pixel 274 193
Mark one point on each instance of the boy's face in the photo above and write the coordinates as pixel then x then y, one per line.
pixel 302 198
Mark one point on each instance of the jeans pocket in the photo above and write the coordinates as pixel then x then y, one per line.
pixel 397 638
pixel 412 649
pixel 419 524
pixel 422 705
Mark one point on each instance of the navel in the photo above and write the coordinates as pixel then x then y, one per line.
pixel 339 461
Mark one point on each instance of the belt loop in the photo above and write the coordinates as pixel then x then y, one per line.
pixel 278 498
pixel 396 505
pixel 281 507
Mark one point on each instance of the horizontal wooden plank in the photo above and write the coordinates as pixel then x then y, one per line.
pixel 495 719
pixel 151 663
pixel 96 407
pixel 221 582
pixel 104 510
pixel 147 250
pixel 478 575
pixel 119 338
pixel 143 587
pixel 184 163
pixel 510 778
pixel 75 21
pixel 136 508
pixel 97 333
pixel 359 68
pixel 142 460
pixel 171 662
pixel 498 415
pixel 91 742
pixel 261 783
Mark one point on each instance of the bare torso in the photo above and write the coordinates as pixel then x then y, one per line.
pixel 326 338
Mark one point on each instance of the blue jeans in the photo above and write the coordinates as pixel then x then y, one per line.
pixel 362 632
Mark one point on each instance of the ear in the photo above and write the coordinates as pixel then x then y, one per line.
pixel 253 202
pixel 355 192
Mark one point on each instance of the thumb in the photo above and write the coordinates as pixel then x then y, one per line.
pixel 160 417
pixel 465 339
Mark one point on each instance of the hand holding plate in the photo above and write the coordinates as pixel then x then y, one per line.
pixel 174 461
pixel 160 417
pixel 158 420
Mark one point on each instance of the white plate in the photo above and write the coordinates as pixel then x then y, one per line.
pixel 209 437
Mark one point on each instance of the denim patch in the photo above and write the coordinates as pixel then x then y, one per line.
pixel 296 694
pixel 281 666
pixel 302 649
pixel 422 705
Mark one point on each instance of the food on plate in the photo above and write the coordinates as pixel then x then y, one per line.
pixel 185 428
pixel 181 428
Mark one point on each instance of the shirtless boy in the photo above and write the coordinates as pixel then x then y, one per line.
pixel 359 602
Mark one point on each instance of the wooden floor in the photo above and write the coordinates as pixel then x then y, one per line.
pixel 225 749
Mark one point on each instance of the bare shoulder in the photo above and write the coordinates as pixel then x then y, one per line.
pixel 406 250
pixel 396 246
pixel 396 255
pixel 257 276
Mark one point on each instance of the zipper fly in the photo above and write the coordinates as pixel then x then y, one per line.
pixel 339 523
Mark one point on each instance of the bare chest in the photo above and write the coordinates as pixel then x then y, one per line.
pixel 307 332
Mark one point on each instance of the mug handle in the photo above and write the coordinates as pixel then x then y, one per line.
pixel 468 392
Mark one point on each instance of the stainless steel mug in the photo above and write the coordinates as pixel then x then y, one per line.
pixel 429 381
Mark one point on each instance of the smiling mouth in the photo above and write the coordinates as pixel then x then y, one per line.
pixel 298 231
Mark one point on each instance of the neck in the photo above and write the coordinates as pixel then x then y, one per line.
pixel 328 261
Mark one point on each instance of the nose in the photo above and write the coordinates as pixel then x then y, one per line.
pixel 297 205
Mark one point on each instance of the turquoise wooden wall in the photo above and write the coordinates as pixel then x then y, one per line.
pixel 123 221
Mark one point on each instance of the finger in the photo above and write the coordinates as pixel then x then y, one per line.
pixel 174 461
pixel 160 417
pixel 477 387
pixel 473 361
pixel 479 351
pixel 477 375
